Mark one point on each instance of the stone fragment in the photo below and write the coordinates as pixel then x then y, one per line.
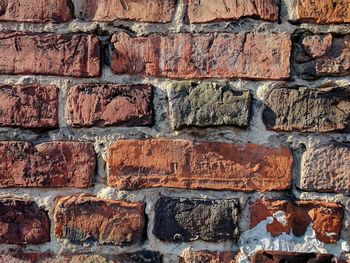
pixel 208 104
pixel 180 219
pixel 308 110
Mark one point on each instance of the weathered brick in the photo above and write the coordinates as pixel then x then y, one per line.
pixel 23 222
pixel 180 219
pixel 323 12
pixel 138 257
pixel 135 257
pixel 30 106
pixel 38 11
pixel 74 55
pixel 208 104
pixel 326 168
pixel 135 164
pixel 207 256
pixel 187 56
pixel 110 10
pixel 308 110
pixel 321 55
pixel 290 257
pixel 87 218
pixel 49 164
pixel 325 218
pixel 210 11
pixel 109 104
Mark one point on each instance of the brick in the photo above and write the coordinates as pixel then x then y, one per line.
pixel 75 55
pixel 23 222
pixel 208 104
pixel 181 219
pixel 308 110
pixel 187 56
pixel 30 106
pixel 207 256
pixel 135 164
pixel 135 257
pixel 326 168
pixel 142 11
pixel 49 164
pixel 205 11
pixel 86 218
pixel 321 55
pixel 325 218
pixel 21 257
pixel 323 12
pixel 138 257
pixel 109 104
pixel 290 257
pixel 39 11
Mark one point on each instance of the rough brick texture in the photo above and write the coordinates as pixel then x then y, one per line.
pixel 321 55
pixel 50 164
pixel 23 222
pixel 143 11
pixel 189 131
pixel 204 11
pixel 325 218
pixel 49 54
pixel 135 257
pixel 308 110
pixel 186 220
pixel 208 104
pixel 323 12
pixel 281 256
pixel 203 55
pixel 106 105
pixel 207 256
pixel 326 168
pixel 135 164
pixel 38 11
pixel 31 106
pixel 91 219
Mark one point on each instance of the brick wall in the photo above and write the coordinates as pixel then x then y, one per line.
pixel 172 131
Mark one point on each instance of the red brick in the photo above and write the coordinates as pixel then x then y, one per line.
pixel 210 11
pixel 135 164
pixel 23 222
pixel 326 218
pixel 50 164
pixel 74 55
pixel 190 56
pixel 321 55
pixel 30 106
pixel 291 257
pixel 134 257
pixel 325 168
pixel 142 11
pixel 323 12
pixel 38 11
pixel 109 104
pixel 207 256
pixel 87 218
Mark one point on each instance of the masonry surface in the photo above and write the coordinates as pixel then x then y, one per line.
pixel 174 131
